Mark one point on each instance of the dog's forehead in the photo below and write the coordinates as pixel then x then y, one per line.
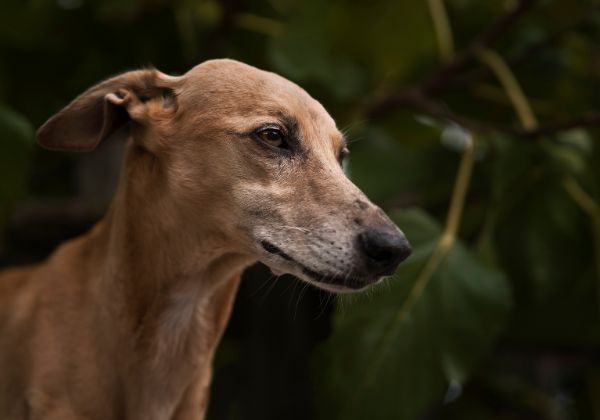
pixel 240 88
pixel 231 76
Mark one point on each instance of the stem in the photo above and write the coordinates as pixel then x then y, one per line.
pixel 488 36
pixel 442 247
pixel 449 234
pixel 529 122
pixel 259 24
pixel 511 86
pixel 587 203
pixel 592 209
pixel 460 189
pixel 522 108
pixel 443 31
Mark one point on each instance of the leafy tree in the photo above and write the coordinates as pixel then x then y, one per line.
pixel 473 123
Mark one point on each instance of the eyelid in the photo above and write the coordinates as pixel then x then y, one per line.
pixel 343 153
pixel 271 126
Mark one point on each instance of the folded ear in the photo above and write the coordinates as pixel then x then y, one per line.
pixel 101 110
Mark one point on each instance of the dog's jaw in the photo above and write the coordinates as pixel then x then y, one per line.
pixel 341 282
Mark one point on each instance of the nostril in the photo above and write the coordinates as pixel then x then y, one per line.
pixel 385 250
pixel 376 251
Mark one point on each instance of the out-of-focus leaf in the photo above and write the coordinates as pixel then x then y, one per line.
pixel 391 38
pixel 565 157
pixel 380 178
pixel 570 152
pixel 549 252
pixel 398 365
pixel 545 246
pixel 379 36
pixel 428 121
pixel 455 138
pixel 388 167
pixel 16 139
pixel 511 161
pixel 579 139
pixel 509 178
pixel 303 53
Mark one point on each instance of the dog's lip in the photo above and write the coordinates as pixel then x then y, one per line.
pixel 353 283
pixel 348 282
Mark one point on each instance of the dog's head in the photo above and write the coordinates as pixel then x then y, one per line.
pixel 253 157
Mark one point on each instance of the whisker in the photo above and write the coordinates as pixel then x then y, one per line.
pixel 302 292
pixel 355 139
pixel 359 123
pixel 261 286
pixel 271 287
pixel 323 304
pixel 293 284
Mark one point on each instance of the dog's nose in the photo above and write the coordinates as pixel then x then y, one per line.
pixel 384 250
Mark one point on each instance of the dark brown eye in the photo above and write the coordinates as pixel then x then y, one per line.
pixel 272 136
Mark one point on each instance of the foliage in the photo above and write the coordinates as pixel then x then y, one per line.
pixel 522 276
pixel 416 349
pixel 16 138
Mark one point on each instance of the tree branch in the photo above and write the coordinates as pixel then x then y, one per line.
pixel 448 72
pixel 589 120
pixel 485 39
pixel 419 98
pixel 414 100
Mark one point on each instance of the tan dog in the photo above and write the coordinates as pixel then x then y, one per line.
pixel 226 165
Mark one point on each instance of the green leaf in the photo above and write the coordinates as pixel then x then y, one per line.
pixel 565 158
pixel 16 140
pixel 387 165
pixel 320 36
pixel 455 138
pixel 545 245
pixel 544 242
pixel 512 160
pixel 384 363
pixel 303 53
pixel 570 152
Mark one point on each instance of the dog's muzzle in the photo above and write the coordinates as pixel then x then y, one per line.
pixel 379 252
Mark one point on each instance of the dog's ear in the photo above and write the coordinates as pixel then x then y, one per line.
pixel 101 110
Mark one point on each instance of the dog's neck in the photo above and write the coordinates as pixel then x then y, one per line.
pixel 175 287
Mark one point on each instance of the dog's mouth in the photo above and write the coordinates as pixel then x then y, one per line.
pixel 333 283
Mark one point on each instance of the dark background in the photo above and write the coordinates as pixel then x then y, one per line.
pixel 507 323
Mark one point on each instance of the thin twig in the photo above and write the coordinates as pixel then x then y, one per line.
pixel 511 86
pixel 419 98
pixel 589 120
pixel 485 39
pixel 518 58
pixel 443 31
pixel 583 200
pixel 442 248
pixel 414 100
pixel 528 120
pixel 592 209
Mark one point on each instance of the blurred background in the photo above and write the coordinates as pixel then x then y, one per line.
pixel 471 122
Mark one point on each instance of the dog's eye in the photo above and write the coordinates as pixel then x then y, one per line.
pixel 343 154
pixel 272 136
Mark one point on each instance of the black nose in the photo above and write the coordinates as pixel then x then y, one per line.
pixel 384 250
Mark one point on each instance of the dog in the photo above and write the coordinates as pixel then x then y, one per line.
pixel 225 166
